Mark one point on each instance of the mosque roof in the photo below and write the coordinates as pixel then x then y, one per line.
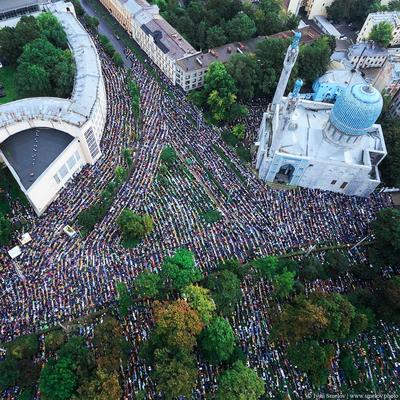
pixel 305 137
pixel 356 109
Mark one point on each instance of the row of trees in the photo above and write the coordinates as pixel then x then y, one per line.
pixel 246 76
pixel 38 48
pixel 110 51
pixel 76 370
pixel 189 325
pixel 92 215
pixel 210 23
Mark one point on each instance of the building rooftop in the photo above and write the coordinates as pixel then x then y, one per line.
pixel 367 49
pixel 327 26
pixel 77 109
pixel 9 5
pixel 31 151
pixel 386 16
pixel 341 77
pixel 225 52
pixel 305 137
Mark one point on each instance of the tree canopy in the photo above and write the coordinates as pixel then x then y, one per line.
pixel 386 229
pixel 225 290
pixel 200 300
pixel 147 285
pixel 180 270
pixel 240 382
pixel 382 33
pixel 217 341
pixel 177 324
pixel 134 227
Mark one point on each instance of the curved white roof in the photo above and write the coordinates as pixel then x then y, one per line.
pixel 88 78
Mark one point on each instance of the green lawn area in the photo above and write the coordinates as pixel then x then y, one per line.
pixel 7 80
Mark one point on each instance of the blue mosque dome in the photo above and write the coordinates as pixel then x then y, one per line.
pixel 356 109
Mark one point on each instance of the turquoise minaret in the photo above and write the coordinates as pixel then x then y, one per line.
pixel 290 60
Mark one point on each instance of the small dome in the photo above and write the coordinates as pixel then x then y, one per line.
pixel 356 109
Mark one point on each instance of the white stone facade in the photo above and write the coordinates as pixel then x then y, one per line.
pixel 83 116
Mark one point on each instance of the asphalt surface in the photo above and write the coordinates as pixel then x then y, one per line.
pixel 105 30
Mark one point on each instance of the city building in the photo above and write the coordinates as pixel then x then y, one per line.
pixel 191 70
pixel 311 7
pixel 157 38
pixel 45 141
pixel 392 17
pixel 367 55
pixel 320 145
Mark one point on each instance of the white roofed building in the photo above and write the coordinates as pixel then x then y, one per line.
pixel 44 141
pixel 392 17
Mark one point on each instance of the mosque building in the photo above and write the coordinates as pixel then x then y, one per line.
pixel 335 147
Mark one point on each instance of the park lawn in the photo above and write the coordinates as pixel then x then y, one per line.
pixel 7 75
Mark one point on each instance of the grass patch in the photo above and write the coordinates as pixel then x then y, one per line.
pixel 211 215
pixel 7 75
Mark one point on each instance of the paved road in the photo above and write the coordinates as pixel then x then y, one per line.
pixel 104 29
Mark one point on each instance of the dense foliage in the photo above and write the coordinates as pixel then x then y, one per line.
pixel 210 23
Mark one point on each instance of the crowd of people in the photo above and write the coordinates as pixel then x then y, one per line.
pixel 58 279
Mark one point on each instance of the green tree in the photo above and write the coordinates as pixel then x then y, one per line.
pixel 240 382
pixel 9 53
pixel 351 10
pixel 91 22
pixel 238 131
pixel 312 358
pixel 386 229
pixel 225 290
pixel 77 351
pixel 110 344
pixel 180 270
pixel 177 325
pixel 148 285
pixel 266 267
pixel 200 300
pixel 57 379
pixel 127 154
pixel 6 230
pixel 386 300
pixel 390 166
pixel 78 8
pixel 300 319
pixel 24 347
pixel 270 54
pixel 124 299
pixel 175 375
pixel 168 156
pixel 104 386
pixel 245 72
pixel 26 30
pixel 215 37
pixel 337 262
pixel 120 174
pixel 54 340
pixel 134 227
pixel 217 341
pixel 32 81
pixel 240 27
pixel 63 75
pixel 118 61
pixel 320 54
pixel 52 29
pixel 9 373
pixel 218 95
pixel 284 283
pixel 346 363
